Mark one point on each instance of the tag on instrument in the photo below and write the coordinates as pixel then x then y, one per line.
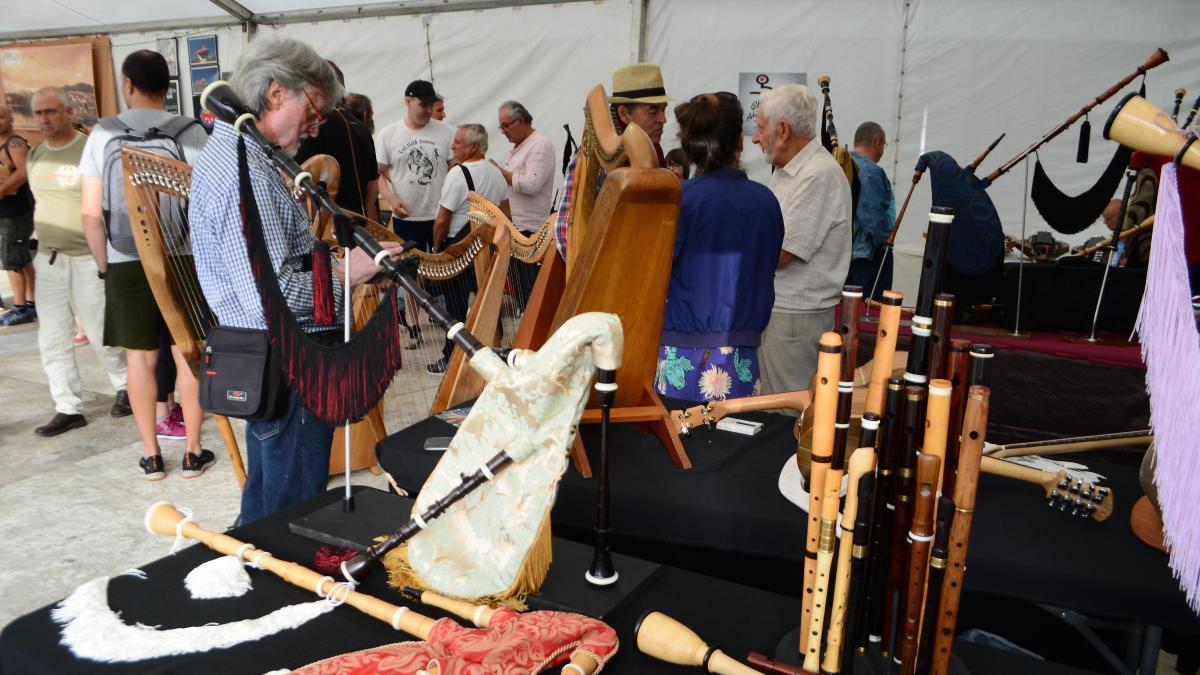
pixel 738 426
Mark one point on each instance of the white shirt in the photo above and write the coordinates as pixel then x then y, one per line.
pixel 815 199
pixel 416 160
pixel 532 164
pixel 489 182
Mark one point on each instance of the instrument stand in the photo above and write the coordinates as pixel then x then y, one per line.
pixel 564 589
pixel 1016 331
pixel 873 662
pixel 651 415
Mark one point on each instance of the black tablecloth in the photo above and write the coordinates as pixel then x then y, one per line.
pixel 738 618
pixel 726 517
pixel 1063 296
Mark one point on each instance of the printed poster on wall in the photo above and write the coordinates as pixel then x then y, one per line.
pixel 26 68
pixel 752 85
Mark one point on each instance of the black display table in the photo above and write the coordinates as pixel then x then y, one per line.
pixel 738 618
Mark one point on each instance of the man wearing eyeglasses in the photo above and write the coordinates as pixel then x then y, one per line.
pixel 413 156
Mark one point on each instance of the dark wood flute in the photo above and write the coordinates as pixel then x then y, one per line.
pixel 980 371
pixel 939 339
pixel 861 463
pixel 769 665
pixel 856 603
pixel 825 401
pixel 1192 114
pixel 933 267
pixel 912 435
pixel 1179 94
pixel 956 372
pixel 933 585
pixel 1158 58
pixel 970 453
pixel 827 115
pixel 919 539
pixel 882 507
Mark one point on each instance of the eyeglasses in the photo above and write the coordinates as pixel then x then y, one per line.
pixel 320 118
pixel 505 125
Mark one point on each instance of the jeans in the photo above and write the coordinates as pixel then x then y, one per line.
pixel 287 461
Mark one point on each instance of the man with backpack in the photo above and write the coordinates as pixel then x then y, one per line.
pixel 133 322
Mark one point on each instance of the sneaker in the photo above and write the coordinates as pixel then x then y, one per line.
pixel 170 426
pixel 152 467
pixel 80 339
pixel 120 407
pixel 194 465
pixel 60 423
pixel 437 368
pixel 18 315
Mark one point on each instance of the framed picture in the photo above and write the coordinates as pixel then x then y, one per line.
pixel 169 48
pixel 202 77
pixel 24 68
pixel 171 103
pixel 202 51
pixel 207 119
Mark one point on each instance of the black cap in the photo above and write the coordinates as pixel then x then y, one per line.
pixel 422 90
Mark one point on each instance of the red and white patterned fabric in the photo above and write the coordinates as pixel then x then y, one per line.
pixel 513 644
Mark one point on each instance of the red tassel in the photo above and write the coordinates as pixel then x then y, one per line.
pixel 329 559
pixel 324 313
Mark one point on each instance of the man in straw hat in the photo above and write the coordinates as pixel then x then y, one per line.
pixel 638 97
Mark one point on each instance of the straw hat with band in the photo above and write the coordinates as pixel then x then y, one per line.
pixel 638 83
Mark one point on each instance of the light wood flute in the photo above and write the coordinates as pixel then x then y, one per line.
pixel 885 350
pixel 970 452
pixel 937 418
pixel 825 398
pixel 861 462
pixel 666 639
pixel 163 518
pixel 920 538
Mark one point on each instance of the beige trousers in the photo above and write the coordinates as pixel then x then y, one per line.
pixel 787 357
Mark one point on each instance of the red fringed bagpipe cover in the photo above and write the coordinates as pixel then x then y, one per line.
pixel 514 644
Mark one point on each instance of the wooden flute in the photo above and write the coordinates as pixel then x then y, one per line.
pixel 912 435
pixel 885 350
pixel 937 416
pixel 861 463
pixel 974 429
pixel 882 507
pixel 980 371
pixel 933 585
pixel 956 372
pixel 856 604
pixel 831 501
pixel 919 539
pixel 825 400
pixel 939 339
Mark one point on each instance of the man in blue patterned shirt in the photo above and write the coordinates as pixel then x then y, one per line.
pixel 875 214
pixel 287 85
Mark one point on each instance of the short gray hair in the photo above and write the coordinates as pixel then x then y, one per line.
pixel 293 64
pixel 868 133
pixel 794 104
pixel 515 110
pixel 475 134
pixel 63 97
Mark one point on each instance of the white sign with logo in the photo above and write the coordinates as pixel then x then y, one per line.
pixel 752 85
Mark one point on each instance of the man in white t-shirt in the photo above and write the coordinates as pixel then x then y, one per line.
pixel 413 155
pixel 471 173
pixel 132 319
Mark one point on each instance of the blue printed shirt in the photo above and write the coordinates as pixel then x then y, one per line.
pixel 727 245
pixel 219 247
pixel 876 211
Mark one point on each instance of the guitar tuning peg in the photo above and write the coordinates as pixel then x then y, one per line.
pixel 1078 509
pixel 1053 502
pixel 1064 484
pixel 1088 488
pixel 1101 494
pixel 1075 487
pixel 1091 510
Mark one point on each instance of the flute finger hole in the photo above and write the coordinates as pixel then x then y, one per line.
pixel 824 380
pixel 974 435
pixel 883 333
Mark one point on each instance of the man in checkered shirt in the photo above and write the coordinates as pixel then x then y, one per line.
pixel 287 85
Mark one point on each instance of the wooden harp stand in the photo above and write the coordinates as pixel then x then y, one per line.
pixel 619 252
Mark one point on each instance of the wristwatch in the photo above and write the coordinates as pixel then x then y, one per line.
pixel 100 274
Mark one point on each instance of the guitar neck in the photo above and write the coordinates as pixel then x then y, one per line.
pixel 1000 467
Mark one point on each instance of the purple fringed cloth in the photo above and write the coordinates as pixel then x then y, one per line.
pixel 1171 351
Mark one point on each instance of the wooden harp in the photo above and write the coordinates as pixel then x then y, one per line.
pixel 157 190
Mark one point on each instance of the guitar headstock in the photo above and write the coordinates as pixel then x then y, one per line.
pixel 707 414
pixel 1078 498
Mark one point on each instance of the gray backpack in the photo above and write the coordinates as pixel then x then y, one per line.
pixel 162 140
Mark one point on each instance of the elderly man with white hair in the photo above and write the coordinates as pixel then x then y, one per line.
pixel 815 198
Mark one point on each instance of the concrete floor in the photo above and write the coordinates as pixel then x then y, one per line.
pixel 73 504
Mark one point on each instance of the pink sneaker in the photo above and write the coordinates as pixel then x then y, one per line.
pixel 170 426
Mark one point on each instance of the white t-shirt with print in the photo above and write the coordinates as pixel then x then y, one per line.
pixel 416 161
pixel 489 182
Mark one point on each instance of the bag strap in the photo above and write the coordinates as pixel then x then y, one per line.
pixel 467 175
